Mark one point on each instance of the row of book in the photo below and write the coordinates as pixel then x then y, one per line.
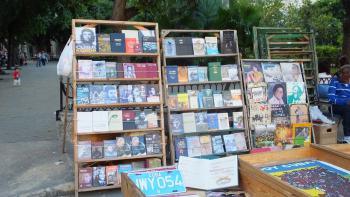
pixel 208 45
pixel 205 98
pixel 217 72
pixel 127 41
pixel 89 69
pixel 203 121
pixel 194 146
pixel 125 146
pixel 99 176
pixel 108 94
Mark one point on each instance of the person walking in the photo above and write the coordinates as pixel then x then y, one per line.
pixel 39 56
pixel 16 77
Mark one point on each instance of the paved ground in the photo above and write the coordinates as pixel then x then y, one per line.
pixel 31 162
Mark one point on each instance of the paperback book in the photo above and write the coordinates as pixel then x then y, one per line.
pixel 96 94
pixel 180 147
pixel 111 70
pixel 115 120
pixel 111 174
pixel 264 135
pixel 83 94
pixel 117 42
pixel 218 145
pixel 192 73
pixel 230 143
pixel 206 147
pixel 211 44
pixel 172 74
pixel 193 146
pixel 138 145
pixel 99 176
pixel 229 72
pixel 260 114
pixel 280 114
pixel 182 74
pixel 84 150
pixel 238 120
pixel 184 46
pixel 123 146
pixel 85 177
pixel 110 94
pixel 84 69
pixel 253 72
pixel 299 113
pixel 201 121
pixel 272 72
pixel 110 149
pixel 213 122
pixel 153 144
pixel 141 120
pixel 291 72
pixel 99 69
pixel 202 73
pixel 198 46
pixel 85 39
pixel 104 43
pixel 176 124
pixel 296 93
pixel 277 94
pixel 169 47
pixel 97 150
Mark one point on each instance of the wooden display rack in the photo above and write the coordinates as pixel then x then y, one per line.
pixel 233 58
pixel 107 135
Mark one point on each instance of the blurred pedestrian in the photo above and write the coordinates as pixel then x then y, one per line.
pixel 16 77
pixel 38 56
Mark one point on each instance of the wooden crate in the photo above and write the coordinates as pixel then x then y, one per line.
pixel 259 183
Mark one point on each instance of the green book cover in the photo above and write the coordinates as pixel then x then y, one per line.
pixel 214 71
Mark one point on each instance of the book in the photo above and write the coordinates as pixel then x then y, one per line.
pixel 238 120
pixel 84 122
pixel 138 165
pixel 152 93
pixel 123 146
pixel 152 70
pixel 123 168
pixel 189 122
pixel 206 148
pixel 217 143
pixel 182 101
pixel 149 41
pixel 100 121
pixel 276 93
pixel 291 72
pixel 260 114
pixel 83 94
pixel 172 102
pixel 218 100
pixel 153 144
pixel 198 46
pixel 299 113
pixel 115 120
pixel 257 92
pixel 192 72
pixel 99 69
pixel 125 94
pixel 223 121
pixel 227 98
pixel 193 99
pixel 110 94
pixel 141 70
pixel 129 119
pixel 120 70
pixel 184 46
pixel 138 145
pixel 84 69
pixel 152 119
pixel 240 141
pixel 202 73
pixel 180 147
pixel 236 95
pixel 104 43
pixel 201 121
pixel 296 93
pixel 153 163
pixel 85 177
pixel 227 42
pixel 169 47
pixel 230 143
pixel 129 70
pixel 272 72
pixel 253 72
pixel 182 74
pixel 172 74
pixel 110 149
pixel 200 99
pixel 208 100
pixel 264 135
pixel 96 94
pixel 84 149
pixel 117 42
pixel 97 150
pixel 111 174
pixel 214 71
pixel 193 146
pixel 213 121
pixel 280 114
pixel 111 70
pixel 229 72
pixel 140 120
pixel 85 39
pixel 211 45
pixel 99 176
pixel 132 42
pixel 176 123
pixel 283 135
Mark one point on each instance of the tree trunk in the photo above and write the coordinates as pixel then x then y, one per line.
pixel 10 50
pixel 346 28
pixel 118 13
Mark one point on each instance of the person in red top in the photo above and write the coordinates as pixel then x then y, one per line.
pixel 16 77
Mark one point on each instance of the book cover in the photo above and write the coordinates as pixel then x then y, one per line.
pixel 198 46
pixel 189 122
pixel 110 148
pixel 99 176
pixel 206 147
pixel 283 135
pixel 211 45
pixel 299 113
pixel 141 120
pixel 152 70
pixel 193 146
pixel 85 177
pixel 193 99
pixel 153 163
pixel 208 100
pixel 238 120
pixel 236 95
pixel 84 69
pixel 85 38
pixel 223 121
pixel 253 72
pixel 132 42
pixel 129 70
pixel 217 143
pixel 182 74
pixel 152 119
pixel 296 93
pixel 125 94
pixel 111 70
pixel 138 145
pixel 201 121
pixel 276 93
pixel 149 41
pixel 280 114
pixel 110 94
pixel 117 42
pixel 129 119
pixel 153 93
pixel 180 144
pixel 184 46
pixel 260 114
pixel 139 93
pixel 141 70
pixel 229 72
pixel 227 42
pixel 84 122
pixel 120 70
pixel 176 123
pixel 99 69
pixel 97 150
pixel 218 100
pixel 230 143
pixel 123 168
pixel 172 74
pixel 272 72
pixel 200 99
pixel 104 43
pixel 213 122
pixel 202 73
pixel 257 92
pixel 100 121
pixel 169 47
pixel 192 72
pixel 123 146
pixel 172 102
pixel 227 98
pixel 153 144
pixel 115 120
pixel 111 174
pixel 264 135
pixel 291 72
pixel 240 141
pixel 214 71
pixel 182 101
pixel 96 94
pixel 138 165
pixel 83 94
pixel 84 150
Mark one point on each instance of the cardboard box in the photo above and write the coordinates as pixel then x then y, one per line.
pixel 325 133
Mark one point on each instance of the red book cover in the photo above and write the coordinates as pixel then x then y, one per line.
pixel 120 70
pixel 111 174
pixel 152 69
pixel 129 119
pixel 130 44
pixel 141 70
pixel 85 177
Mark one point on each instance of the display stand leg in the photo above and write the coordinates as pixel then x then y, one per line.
pixel 65 119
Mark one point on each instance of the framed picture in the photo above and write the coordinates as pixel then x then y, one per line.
pixel 302 133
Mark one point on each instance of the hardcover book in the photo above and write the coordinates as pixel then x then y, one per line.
pixel 115 120
pixel 227 42
pixel 217 143
pixel 201 121
pixel 96 94
pixel 230 143
pixel 198 46
pixel 84 150
pixel 214 71
pixel 111 174
pixel 299 113
pixel 169 47
pixel 83 94
pixel 118 42
pixel 180 147
pixel 139 93
pixel 218 100
pixel 152 70
pixel 238 120
pixel 129 70
pixel 193 146
pixel 100 121
pixel 153 93
pixel 172 74
pixel 211 44
pixel 110 148
pixel 229 72
pixel 152 119
pixel 99 176
pixel 240 141
pixel 85 177
pixel 110 94
pixel 213 122
pixel 202 73
pixel 253 72
pixel 291 72
pixel 227 98
pixel 276 93
pixel 138 145
pixel 223 121
pixel 125 94
pixel 182 74
pixel 153 144
pixel 272 72
pixel 85 39
pixel 192 73
pixel 141 120
pixel 123 146
pixel 84 122
pixel 206 147
pixel 189 122
pixel 208 100
pixel 132 43
pixel 280 114
pixel 111 70
pixel 172 102
pixel 236 95
pixel 99 69
pixel 193 99
pixel 97 150
pixel 182 101
pixel 264 135
pixel 260 114
pixel 129 119
pixel 184 46
pixel 296 93
pixel 84 69
pixel 104 43
pixel 176 123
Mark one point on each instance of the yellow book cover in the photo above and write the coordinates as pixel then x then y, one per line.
pixel 182 101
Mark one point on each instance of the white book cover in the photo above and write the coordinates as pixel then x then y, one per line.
pixel 85 39
pixel 291 72
pixel 84 122
pixel 99 69
pixel 115 120
pixel 236 95
pixel 198 46
pixel 100 121
pixel 189 122
pixel 84 69
pixel 193 98
pixel 229 70
pixel 152 120
pixel 211 44
pixel 223 121
pixel 218 101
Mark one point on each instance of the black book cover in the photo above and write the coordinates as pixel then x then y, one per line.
pixel 153 145
pixel 149 44
pixel 138 145
pixel 97 150
pixel 184 46
pixel 227 42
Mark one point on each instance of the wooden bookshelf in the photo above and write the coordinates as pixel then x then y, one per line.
pixel 169 88
pixel 108 135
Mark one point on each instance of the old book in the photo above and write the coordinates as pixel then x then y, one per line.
pixel 138 165
pixel 227 99
pixel 182 101
pixel 180 144
pixel 117 42
pixel 206 147
pixel 211 44
pixel 296 93
pixel 238 120
pixel 99 176
pixel 236 95
pixel 111 174
pixel 110 148
pixel 172 102
pixel 291 72
pixel 96 94
pixel 84 122
pixel 85 177
pixel 184 46
pixel 229 72
pixel 280 114
pixel 152 70
pixel 192 72
pixel 198 46
pixel 152 119
pixel 283 135
pixel 172 74
pixel 97 150
pixel 140 70
pixel 123 146
pixel 111 70
pixel 153 163
pixel 223 121
pixel 227 42
pixel 182 74
pixel 253 72
pixel 257 92
pixel 100 121
pixel 200 99
pixel 218 100
pixel 140 120
pixel 153 93
pixel 169 47
pixel 129 70
pixel 129 119
pixel 149 41
pixel 123 168
pixel 115 120
pixel 272 72
pixel 193 98
pixel 240 141
pixel 120 70
pixel 193 146
pixel 189 122
pixel 276 93
pixel 83 94
pixel 260 114
pixel 153 144
pixel 218 144
pixel 264 135
pixel 104 43
pixel 299 113
pixel 213 122
pixel 202 73
pixel 84 69
pixel 110 94
pixel 138 145
pixel 85 39
pixel 214 71
pixel 99 69
pixel 125 94
pixel 201 121
pixel 84 149
pixel 132 42
pixel 230 143
pixel 208 100
pixel 176 123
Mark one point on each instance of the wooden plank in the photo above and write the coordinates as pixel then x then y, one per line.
pixel 201 56
pixel 110 22
pixel 150 104
pixel 98 54
pixel 342 150
pixel 209 132
pixel 119 158
pixel 129 188
pixel 276 60
pixel 99 188
pixel 122 131
pixel 287 43
pixel 117 80
pixel 290 52
pixel 204 109
pixel 201 83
